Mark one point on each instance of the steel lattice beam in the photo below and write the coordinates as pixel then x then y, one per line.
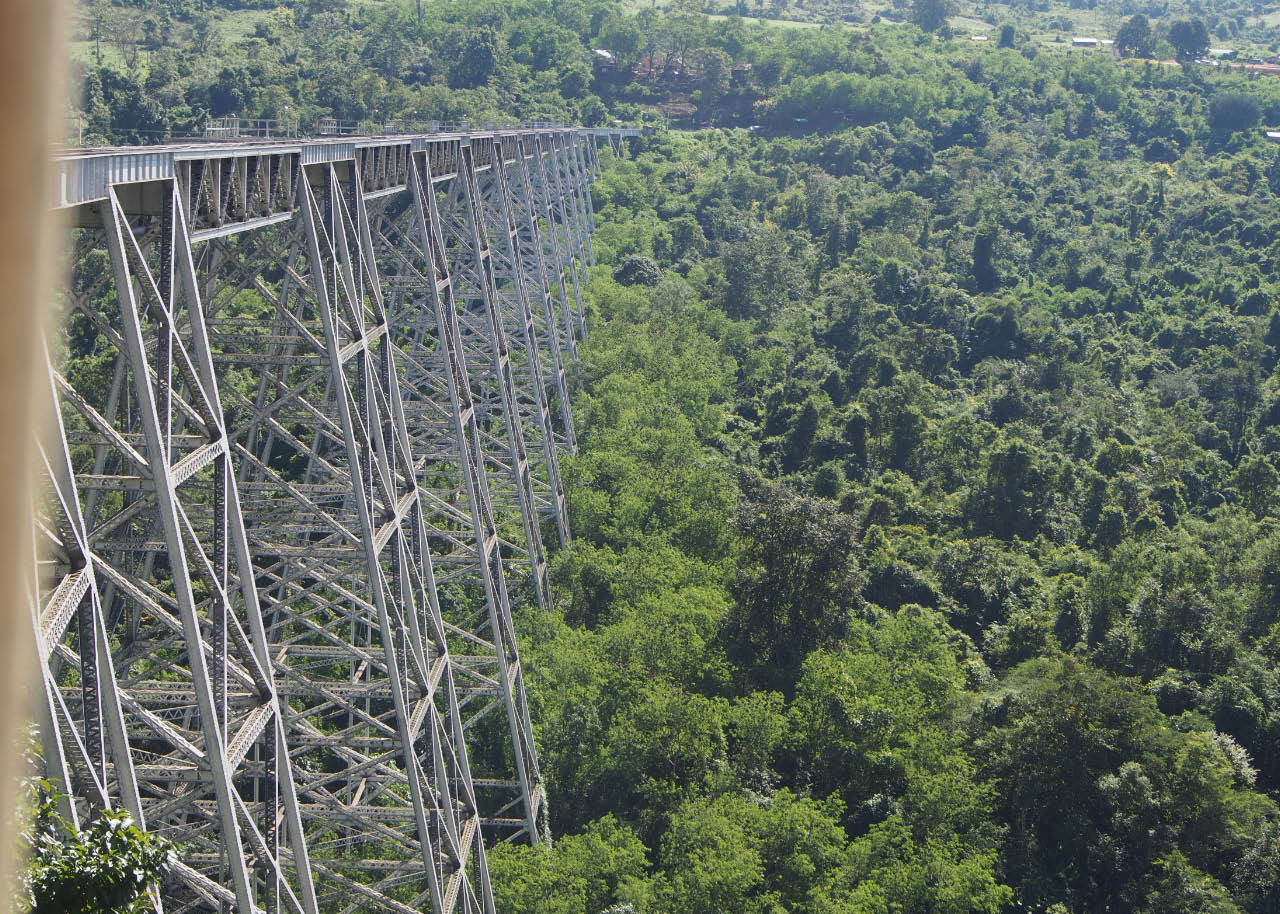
pixel 311 400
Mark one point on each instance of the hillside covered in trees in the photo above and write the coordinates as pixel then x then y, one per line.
pixel 927 515
pixel 151 70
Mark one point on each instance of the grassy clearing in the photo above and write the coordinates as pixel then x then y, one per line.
pixel 84 52
pixel 236 25
pixel 963 25
pixel 780 23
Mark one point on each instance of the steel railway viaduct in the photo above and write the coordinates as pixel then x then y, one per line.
pixel 310 399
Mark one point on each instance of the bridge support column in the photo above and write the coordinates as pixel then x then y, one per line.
pixel 530 795
pixel 557 343
pixel 512 284
pixel 152 537
pixel 564 195
pixel 549 201
pixel 582 195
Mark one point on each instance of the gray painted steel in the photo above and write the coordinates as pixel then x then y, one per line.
pixel 305 455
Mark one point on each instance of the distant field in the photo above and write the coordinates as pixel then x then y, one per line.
pixel 634 6
pixel 83 52
pixel 964 25
pixel 238 24
pixel 968 21
pixel 780 23
pixel 1052 28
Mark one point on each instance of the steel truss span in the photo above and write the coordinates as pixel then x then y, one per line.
pixel 310 404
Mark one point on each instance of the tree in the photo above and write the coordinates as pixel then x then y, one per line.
pixel 638 270
pixel 985 278
pixel 1272 336
pixel 123 29
pixel 733 854
pixel 1189 38
pixel 603 866
pixel 797 588
pixel 1256 881
pixel 1259 485
pixel 713 78
pixel 932 15
pixel 1096 789
pixel 476 59
pixel 1179 888
pixel 1006 36
pixel 1135 38
pixel 760 274
pixel 1014 494
pixel 621 38
pixel 1233 111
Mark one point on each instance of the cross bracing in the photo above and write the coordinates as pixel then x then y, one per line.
pixel 310 401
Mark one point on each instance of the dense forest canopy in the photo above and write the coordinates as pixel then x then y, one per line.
pixel 927 515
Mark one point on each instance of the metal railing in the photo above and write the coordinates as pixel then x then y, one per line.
pixel 333 127
pixel 240 128
pixel 227 128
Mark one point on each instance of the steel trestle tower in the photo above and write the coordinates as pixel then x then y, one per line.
pixel 310 404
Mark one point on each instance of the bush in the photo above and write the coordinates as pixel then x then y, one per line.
pixel 638 270
pixel 104 868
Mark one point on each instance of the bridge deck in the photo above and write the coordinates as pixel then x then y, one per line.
pixel 83 175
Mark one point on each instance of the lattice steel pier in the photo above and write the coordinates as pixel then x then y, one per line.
pixel 311 399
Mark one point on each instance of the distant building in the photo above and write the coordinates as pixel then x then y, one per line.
pixel 1222 52
pixel 604 60
pixel 1084 42
pixel 1273 136
pixel 978 38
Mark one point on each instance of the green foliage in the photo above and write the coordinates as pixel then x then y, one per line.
pixel 103 868
pixel 602 866
pixel 797 586
pixel 1180 888
pixel 1098 790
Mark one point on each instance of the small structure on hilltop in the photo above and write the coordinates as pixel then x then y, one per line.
pixel 604 60
pixel 1082 42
